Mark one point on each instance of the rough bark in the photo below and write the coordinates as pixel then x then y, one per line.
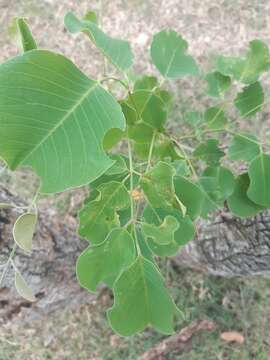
pixel 226 246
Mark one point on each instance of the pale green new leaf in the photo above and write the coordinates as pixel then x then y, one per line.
pixel 217 83
pixel 239 203
pixel 140 300
pixel 24 35
pixel 249 68
pixel 157 185
pixel 99 214
pixel 23 230
pixel 23 289
pixel 250 100
pixel 168 52
pixel 164 233
pixel 118 52
pixel 244 147
pixel 106 260
pixel 259 174
pixel 53 118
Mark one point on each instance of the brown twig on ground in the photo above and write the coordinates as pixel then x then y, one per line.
pixel 177 342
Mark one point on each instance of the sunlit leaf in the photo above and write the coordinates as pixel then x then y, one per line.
pixel 168 52
pixel 23 230
pixel 24 35
pixel 141 299
pixel 23 289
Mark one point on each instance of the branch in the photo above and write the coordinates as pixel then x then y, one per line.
pixel 177 342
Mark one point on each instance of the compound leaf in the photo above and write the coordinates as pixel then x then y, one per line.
pixel 141 299
pixel 118 52
pixel 23 230
pixel 250 100
pixel 259 174
pixel 106 260
pixel 53 118
pixel 244 147
pixel 239 203
pixel 168 52
pixel 99 214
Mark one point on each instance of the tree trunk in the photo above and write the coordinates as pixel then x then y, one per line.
pixel 226 246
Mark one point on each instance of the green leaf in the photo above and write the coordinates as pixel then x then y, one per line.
pixel 26 40
pixel 164 233
pixel 157 185
pixel 183 234
pixel 145 82
pixel 112 138
pixel 209 152
pixel 141 299
pixel 215 118
pixel 99 214
pixel 190 195
pixel 23 289
pixel 239 203
pixel 193 118
pixel 247 69
pixel 66 113
pixel 250 100
pixel 168 52
pixel 119 166
pixel 181 167
pixel 91 16
pixel 23 230
pixel 217 83
pixel 217 184
pixel 106 260
pixel 244 147
pixel 118 52
pixel 259 174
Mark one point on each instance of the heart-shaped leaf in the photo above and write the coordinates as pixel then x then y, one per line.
pixel 53 118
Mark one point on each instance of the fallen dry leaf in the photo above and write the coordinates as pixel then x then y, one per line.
pixel 232 336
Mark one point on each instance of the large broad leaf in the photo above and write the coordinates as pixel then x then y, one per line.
pixel 259 174
pixel 168 52
pixel 209 152
pixel 164 233
pixel 99 214
pixel 53 118
pixel 117 51
pixel 141 299
pixel 105 261
pixel 250 100
pixel 190 195
pixel 157 185
pixel 239 203
pixel 249 68
pixel 217 83
pixel 244 147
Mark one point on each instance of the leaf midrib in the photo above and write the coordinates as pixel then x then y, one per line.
pixel 61 121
